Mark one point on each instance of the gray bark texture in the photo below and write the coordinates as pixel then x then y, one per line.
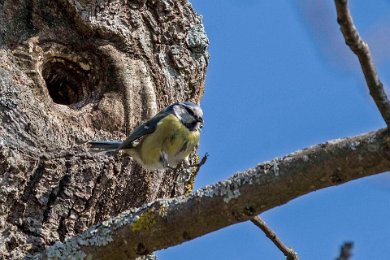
pixel 168 222
pixel 72 71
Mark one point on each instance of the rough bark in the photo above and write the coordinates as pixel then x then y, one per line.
pixel 73 71
pixel 169 222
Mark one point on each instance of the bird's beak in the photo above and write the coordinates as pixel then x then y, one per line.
pixel 200 120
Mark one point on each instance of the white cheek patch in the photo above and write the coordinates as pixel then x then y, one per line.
pixel 199 112
pixel 187 118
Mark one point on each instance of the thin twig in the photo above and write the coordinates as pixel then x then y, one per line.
pixel 191 181
pixel 360 48
pixel 237 199
pixel 288 252
pixel 345 251
pixel 201 163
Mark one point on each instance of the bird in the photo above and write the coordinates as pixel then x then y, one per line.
pixel 165 140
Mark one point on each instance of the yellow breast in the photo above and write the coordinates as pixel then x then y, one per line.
pixel 171 138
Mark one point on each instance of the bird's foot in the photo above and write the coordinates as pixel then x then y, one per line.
pixel 199 164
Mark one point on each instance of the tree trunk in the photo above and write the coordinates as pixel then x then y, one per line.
pixel 72 71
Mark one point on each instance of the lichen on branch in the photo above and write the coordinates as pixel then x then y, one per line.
pixel 169 222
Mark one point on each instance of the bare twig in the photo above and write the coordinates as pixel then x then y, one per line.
pixel 191 181
pixel 288 252
pixel 169 222
pixel 360 48
pixel 345 251
pixel 201 163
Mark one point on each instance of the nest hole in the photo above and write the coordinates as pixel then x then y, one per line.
pixel 68 83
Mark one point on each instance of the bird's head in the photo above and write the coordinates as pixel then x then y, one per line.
pixel 190 114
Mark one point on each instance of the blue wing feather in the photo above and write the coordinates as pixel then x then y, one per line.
pixel 146 128
pixel 105 145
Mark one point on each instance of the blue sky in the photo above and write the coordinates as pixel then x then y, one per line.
pixel 280 79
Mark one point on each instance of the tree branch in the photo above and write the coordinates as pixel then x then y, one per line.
pixel 362 51
pixel 169 222
pixel 345 251
pixel 288 252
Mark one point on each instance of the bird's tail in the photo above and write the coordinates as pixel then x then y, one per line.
pixel 108 146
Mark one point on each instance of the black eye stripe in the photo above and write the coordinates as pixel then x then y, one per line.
pixel 190 111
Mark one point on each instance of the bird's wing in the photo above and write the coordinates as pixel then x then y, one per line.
pixel 146 128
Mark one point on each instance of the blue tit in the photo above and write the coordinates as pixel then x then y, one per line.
pixel 165 140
